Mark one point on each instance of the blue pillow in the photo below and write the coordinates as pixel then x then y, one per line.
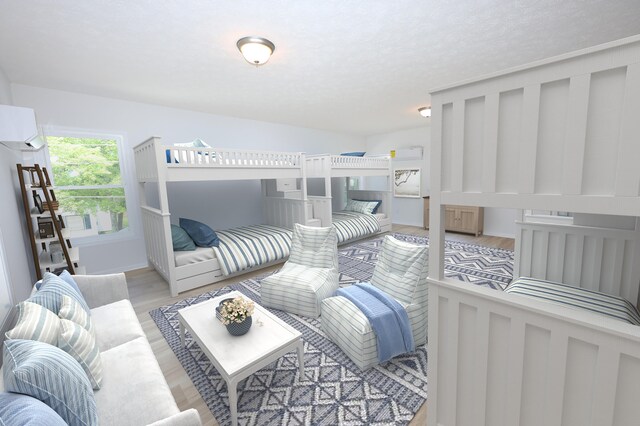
pixel 51 291
pixel 181 240
pixel 375 209
pixel 19 410
pixel 200 233
pixel 51 375
pixel 354 154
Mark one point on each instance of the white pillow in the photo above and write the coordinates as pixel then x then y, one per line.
pixel 196 143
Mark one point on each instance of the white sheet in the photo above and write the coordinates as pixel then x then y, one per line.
pixel 193 256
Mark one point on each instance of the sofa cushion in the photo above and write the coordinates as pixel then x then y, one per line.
pixel 35 323
pixel 115 324
pixel 81 345
pixel 19 410
pixel 51 292
pixel 52 376
pixel 131 374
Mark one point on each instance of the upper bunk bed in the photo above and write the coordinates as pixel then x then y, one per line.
pixel 560 135
pixel 171 163
pixel 328 165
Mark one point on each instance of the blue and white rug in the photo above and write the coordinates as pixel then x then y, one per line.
pixel 334 391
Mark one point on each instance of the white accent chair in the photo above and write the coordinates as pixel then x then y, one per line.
pixel 401 272
pixel 308 277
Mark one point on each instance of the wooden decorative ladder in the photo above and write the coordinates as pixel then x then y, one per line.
pixel 43 184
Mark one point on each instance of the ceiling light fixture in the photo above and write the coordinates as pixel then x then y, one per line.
pixel 425 111
pixel 256 50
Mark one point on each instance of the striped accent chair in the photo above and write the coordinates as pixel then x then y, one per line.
pixel 309 276
pixel 401 272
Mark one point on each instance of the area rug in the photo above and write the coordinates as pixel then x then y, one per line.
pixel 334 391
pixel 475 264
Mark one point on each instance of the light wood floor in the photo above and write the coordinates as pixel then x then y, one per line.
pixel 148 291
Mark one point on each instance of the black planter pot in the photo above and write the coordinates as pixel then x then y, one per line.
pixel 239 328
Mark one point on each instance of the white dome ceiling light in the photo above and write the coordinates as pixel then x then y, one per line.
pixel 256 50
pixel 425 111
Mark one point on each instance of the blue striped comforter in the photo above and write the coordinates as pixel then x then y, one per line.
pixel 576 297
pixel 350 225
pixel 249 246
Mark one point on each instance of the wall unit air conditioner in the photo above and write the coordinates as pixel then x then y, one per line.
pixel 411 153
pixel 18 128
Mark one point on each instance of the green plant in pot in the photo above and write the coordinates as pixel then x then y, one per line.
pixel 235 314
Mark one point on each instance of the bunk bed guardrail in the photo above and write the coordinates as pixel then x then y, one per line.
pixel 156 225
pixel 151 156
pixel 326 165
pixel 600 259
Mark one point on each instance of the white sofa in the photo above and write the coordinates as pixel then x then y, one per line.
pixel 133 390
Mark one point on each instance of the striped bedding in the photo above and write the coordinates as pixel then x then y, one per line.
pixel 600 303
pixel 249 246
pixel 350 225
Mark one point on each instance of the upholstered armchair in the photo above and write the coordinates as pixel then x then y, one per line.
pixel 308 277
pixel 401 272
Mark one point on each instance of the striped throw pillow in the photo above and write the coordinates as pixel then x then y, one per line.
pixel 81 345
pixel 51 375
pixel 35 323
pixel 51 292
pixel 72 311
pixel 366 207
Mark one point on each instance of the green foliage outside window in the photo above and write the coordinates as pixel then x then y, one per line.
pixel 86 173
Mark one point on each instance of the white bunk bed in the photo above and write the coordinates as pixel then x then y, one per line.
pixel 328 166
pixel 561 135
pixel 160 163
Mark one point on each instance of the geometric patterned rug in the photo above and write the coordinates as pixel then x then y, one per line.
pixel 484 266
pixel 334 391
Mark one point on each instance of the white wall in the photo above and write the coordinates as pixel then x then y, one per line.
pixel 6 97
pixel 136 122
pixel 20 271
pixel 409 211
pixel 406 211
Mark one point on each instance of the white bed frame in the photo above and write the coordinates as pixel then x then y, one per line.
pixel 560 134
pixel 207 164
pixel 197 164
pixel 328 166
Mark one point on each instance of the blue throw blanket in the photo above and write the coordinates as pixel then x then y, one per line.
pixel 387 317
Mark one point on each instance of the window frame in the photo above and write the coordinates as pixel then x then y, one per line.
pixel 125 234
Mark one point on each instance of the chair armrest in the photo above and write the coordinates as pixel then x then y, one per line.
pixel 101 290
pixel 189 417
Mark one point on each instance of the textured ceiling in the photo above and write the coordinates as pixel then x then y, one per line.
pixel 357 67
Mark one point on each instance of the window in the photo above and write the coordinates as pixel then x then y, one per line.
pixel 87 176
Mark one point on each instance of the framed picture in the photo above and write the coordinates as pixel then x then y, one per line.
pixel 406 182
pixel 45 228
pixel 38 202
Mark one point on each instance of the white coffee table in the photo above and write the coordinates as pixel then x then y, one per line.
pixel 237 357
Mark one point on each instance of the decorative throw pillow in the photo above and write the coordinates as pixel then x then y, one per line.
pixel 354 154
pixel 35 323
pixel 200 233
pixel 378 202
pixel 51 292
pixel 366 207
pixel 19 410
pixel 81 345
pixel 51 375
pixel 68 278
pixel 72 311
pixel 181 240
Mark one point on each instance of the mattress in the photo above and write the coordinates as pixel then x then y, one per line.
pixel 352 225
pixel 576 297
pixel 200 254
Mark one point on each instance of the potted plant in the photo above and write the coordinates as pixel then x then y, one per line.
pixel 235 314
